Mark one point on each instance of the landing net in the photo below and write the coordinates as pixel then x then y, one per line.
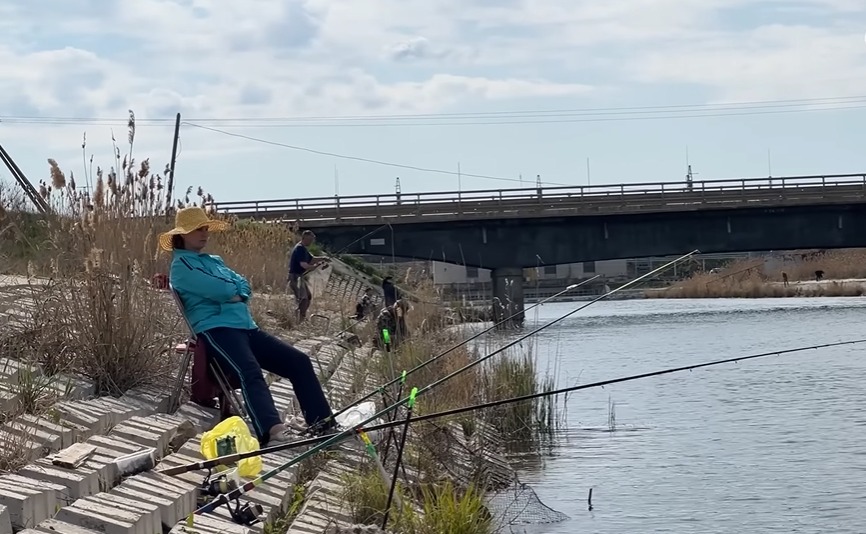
pixel 518 504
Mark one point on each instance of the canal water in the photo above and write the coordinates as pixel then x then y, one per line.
pixel 768 445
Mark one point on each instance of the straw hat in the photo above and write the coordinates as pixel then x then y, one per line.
pixel 189 220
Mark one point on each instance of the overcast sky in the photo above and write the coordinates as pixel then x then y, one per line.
pixel 258 68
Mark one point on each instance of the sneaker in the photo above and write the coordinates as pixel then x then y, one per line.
pixel 296 423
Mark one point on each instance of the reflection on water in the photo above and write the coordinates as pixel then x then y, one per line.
pixel 769 445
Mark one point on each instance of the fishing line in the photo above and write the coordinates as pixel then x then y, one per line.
pixel 225 460
pixel 234 494
pixel 422 365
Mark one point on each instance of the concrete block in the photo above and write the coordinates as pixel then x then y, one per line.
pixel 168 512
pixel 72 387
pixel 207 524
pixel 117 411
pixel 61 494
pixel 68 435
pixel 48 440
pixel 182 495
pixel 97 516
pixel 203 418
pixel 52 526
pixel 106 470
pixel 154 399
pixel 8 398
pixel 26 506
pixel 5 521
pixel 79 483
pixel 15 371
pixel 149 513
pixel 141 436
pixel 21 443
pixel 114 446
pixel 88 416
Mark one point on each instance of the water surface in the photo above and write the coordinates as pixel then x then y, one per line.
pixel 769 445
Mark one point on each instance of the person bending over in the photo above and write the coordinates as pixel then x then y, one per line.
pixel 216 303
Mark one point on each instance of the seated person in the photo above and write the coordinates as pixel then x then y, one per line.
pixel 216 303
pixel 393 319
pixel 364 305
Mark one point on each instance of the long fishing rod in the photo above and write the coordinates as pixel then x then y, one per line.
pixel 424 364
pixel 344 249
pixel 234 494
pixel 232 458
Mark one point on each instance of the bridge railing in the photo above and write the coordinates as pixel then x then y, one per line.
pixel 552 198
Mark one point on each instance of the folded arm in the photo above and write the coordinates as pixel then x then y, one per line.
pixel 190 277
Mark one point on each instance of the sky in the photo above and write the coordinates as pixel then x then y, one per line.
pixel 577 92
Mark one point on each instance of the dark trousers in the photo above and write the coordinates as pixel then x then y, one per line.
pixel 246 353
pixel 302 293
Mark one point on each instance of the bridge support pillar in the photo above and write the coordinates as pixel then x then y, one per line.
pixel 508 295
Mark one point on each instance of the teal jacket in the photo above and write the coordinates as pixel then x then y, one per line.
pixel 206 285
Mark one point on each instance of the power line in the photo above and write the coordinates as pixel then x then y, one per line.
pixel 611 113
pixel 355 158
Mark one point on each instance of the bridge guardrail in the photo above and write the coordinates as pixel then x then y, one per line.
pixel 637 197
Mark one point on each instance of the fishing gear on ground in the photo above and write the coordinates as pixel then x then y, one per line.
pixel 340 436
pixel 475 407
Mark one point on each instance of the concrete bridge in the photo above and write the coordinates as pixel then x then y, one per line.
pixel 506 230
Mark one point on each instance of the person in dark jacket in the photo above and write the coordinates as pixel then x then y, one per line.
pixel 302 261
pixel 364 305
pixel 390 291
pixel 393 319
pixel 216 303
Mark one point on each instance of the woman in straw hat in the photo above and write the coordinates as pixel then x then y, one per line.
pixel 216 304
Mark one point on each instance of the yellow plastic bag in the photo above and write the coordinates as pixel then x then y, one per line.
pixel 231 436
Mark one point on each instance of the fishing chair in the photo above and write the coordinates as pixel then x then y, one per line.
pixel 209 384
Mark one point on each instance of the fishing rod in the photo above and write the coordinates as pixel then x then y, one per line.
pixel 232 458
pixel 236 493
pixel 424 364
pixel 344 249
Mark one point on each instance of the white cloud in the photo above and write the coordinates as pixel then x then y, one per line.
pixel 210 58
pixel 770 62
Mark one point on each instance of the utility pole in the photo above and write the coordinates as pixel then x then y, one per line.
pixel 588 180
pixel 41 204
pixel 689 175
pixel 169 193
pixel 336 181
pixel 459 178
pixel 397 189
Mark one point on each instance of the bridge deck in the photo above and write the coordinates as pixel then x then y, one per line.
pixel 558 201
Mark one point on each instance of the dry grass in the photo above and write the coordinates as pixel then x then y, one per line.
pixel 444 506
pixel 753 278
pixel 99 313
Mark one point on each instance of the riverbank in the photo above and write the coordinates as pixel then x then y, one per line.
pixel 842 273
pixel 90 357
pixel 755 288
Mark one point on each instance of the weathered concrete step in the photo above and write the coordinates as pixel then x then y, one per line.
pixel 8 398
pixel 5 521
pixel 95 514
pixel 155 431
pixel 14 371
pixel 174 498
pixel 52 526
pixel 80 482
pixel 204 524
pixel 27 504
